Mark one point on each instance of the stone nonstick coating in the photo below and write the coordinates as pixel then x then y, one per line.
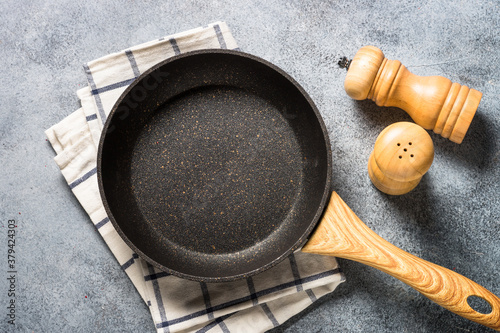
pixel 214 165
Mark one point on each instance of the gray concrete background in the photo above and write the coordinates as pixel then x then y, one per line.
pixel 68 281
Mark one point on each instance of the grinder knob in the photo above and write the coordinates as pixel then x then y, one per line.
pixel 433 102
pixel 403 153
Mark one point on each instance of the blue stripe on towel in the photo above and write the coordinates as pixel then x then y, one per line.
pixel 97 98
pixel 251 288
pixel 220 37
pixel 311 295
pixel 101 223
pixel 217 321
pixel 175 47
pixel 295 272
pixel 83 178
pixel 130 262
pixel 91 117
pixel 250 297
pixel 156 276
pixel 270 315
pixel 206 298
pixel 158 297
pixel 133 63
pixel 112 86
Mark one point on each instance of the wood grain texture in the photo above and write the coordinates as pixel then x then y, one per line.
pixel 402 154
pixel 433 102
pixel 342 234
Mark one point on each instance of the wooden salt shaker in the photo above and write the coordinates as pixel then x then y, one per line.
pixel 433 102
pixel 403 153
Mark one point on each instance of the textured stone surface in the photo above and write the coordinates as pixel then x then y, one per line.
pixel 68 281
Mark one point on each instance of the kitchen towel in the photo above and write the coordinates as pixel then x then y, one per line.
pixel 255 304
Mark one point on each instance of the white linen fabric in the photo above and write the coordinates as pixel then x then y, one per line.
pixel 255 304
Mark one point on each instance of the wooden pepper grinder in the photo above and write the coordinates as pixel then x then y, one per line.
pixel 403 153
pixel 433 102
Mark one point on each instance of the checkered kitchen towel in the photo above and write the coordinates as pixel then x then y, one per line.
pixel 256 304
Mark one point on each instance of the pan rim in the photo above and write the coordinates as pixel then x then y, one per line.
pixel 273 261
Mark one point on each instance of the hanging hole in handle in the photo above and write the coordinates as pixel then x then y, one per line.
pixel 479 304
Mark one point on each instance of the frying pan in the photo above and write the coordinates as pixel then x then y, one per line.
pixel 215 165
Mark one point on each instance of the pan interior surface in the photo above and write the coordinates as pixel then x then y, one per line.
pixel 214 166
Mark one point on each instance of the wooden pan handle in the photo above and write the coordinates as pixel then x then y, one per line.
pixel 433 102
pixel 342 234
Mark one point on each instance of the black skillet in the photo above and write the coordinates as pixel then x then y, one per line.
pixel 215 165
